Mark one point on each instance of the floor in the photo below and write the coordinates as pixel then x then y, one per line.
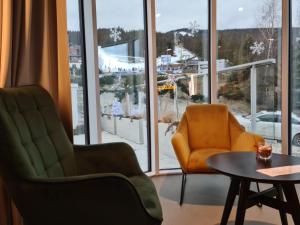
pixel 204 200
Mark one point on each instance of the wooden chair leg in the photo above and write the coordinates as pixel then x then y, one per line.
pixel 183 181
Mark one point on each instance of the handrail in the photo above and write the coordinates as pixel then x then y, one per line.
pixel 248 65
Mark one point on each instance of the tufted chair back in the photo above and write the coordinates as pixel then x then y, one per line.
pixel 33 142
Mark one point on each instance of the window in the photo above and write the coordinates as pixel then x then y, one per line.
pixel 295 121
pixel 278 119
pixel 295 77
pixel 267 118
pixel 122 76
pixel 76 71
pixel 182 66
pixel 249 62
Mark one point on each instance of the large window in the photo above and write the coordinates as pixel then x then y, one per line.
pixel 295 78
pixel 249 74
pixel 182 66
pixel 122 77
pixel 76 71
pixel 249 64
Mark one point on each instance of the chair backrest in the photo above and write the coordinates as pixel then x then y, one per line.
pixel 33 142
pixel 208 126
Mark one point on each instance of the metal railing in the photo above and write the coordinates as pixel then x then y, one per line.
pixel 253 83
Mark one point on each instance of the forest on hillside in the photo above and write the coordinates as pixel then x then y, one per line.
pixel 228 41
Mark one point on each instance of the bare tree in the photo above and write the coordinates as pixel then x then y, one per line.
pixel 268 22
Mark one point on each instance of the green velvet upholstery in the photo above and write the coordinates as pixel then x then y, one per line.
pixel 55 183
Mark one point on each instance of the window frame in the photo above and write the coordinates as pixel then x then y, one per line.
pixel 150 73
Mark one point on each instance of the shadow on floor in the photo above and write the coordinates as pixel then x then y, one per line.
pixel 201 189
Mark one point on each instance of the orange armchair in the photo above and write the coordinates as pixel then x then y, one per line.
pixel 205 130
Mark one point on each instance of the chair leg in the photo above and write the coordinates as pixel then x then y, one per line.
pixel 183 181
pixel 258 190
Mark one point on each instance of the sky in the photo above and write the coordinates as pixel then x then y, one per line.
pixel 173 14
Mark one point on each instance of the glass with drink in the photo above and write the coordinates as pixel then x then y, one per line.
pixel 264 151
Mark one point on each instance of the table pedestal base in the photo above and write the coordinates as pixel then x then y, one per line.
pixel 272 197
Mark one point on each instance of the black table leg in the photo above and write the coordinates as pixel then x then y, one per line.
pixel 292 200
pixel 243 199
pixel 279 196
pixel 232 192
pixel 258 190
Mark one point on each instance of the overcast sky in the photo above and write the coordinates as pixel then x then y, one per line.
pixel 172 14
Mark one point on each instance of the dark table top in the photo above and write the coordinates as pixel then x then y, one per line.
pixel 245 164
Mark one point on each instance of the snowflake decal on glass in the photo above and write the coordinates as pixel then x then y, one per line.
pixel 115 34
pixel 257 48
pixel 194 27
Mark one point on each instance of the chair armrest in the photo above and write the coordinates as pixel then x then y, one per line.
pixel 107 158
pixel 182 149
pixel 246 141
pixel 88 200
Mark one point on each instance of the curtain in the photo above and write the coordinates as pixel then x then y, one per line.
pixel 34 50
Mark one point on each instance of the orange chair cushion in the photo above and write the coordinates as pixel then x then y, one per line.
pixel 208 126
pixel 197 160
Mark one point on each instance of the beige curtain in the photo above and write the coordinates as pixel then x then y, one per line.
pixel 34 50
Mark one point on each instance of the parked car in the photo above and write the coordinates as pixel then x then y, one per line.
pixel 268 124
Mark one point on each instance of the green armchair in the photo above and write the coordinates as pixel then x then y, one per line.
pixel 53 182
